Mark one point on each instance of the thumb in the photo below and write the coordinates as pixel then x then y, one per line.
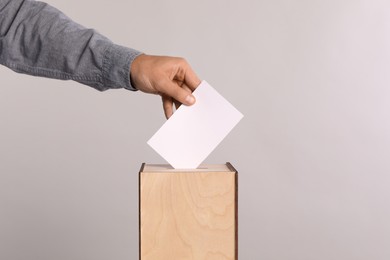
pixel 178 93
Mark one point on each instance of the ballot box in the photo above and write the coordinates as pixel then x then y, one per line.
pixel 188 214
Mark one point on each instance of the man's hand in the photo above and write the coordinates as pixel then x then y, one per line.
pixel 171 78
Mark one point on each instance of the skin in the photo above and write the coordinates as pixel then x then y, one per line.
pixel 170 77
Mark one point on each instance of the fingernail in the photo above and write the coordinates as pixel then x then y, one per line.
pixel 190 99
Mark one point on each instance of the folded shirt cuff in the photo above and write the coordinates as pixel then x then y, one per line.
pixel 116 66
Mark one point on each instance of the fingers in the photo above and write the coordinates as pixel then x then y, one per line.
pixel 177 104
pixel 172 78
pixel 183 95
pixel 168 103
pixel 185 87
pixel 191 79
pixel 168 106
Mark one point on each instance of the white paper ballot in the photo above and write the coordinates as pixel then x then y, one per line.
pixel 193 132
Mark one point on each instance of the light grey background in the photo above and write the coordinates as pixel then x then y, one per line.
pixel 311 77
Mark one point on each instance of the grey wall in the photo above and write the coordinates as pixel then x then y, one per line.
pixel 311 77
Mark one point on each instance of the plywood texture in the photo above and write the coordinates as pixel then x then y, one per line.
pixel 188 214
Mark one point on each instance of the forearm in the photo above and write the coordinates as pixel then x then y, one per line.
pixel 39 40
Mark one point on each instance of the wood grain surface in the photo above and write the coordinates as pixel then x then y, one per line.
pixel 188 215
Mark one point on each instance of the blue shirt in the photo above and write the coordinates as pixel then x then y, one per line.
pixel 39 40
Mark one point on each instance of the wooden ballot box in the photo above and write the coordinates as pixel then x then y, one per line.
pixel 188 214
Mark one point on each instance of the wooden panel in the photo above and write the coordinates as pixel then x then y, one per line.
pixel 188 215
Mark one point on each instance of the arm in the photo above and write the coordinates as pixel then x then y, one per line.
pixel 39 40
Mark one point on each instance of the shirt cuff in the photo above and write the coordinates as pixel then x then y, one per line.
pixel 116 66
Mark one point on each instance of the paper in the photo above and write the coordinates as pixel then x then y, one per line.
pixel 193 132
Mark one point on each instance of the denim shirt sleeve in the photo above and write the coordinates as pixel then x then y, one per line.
pixel 39 40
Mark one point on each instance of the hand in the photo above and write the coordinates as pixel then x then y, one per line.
pixel 171 78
